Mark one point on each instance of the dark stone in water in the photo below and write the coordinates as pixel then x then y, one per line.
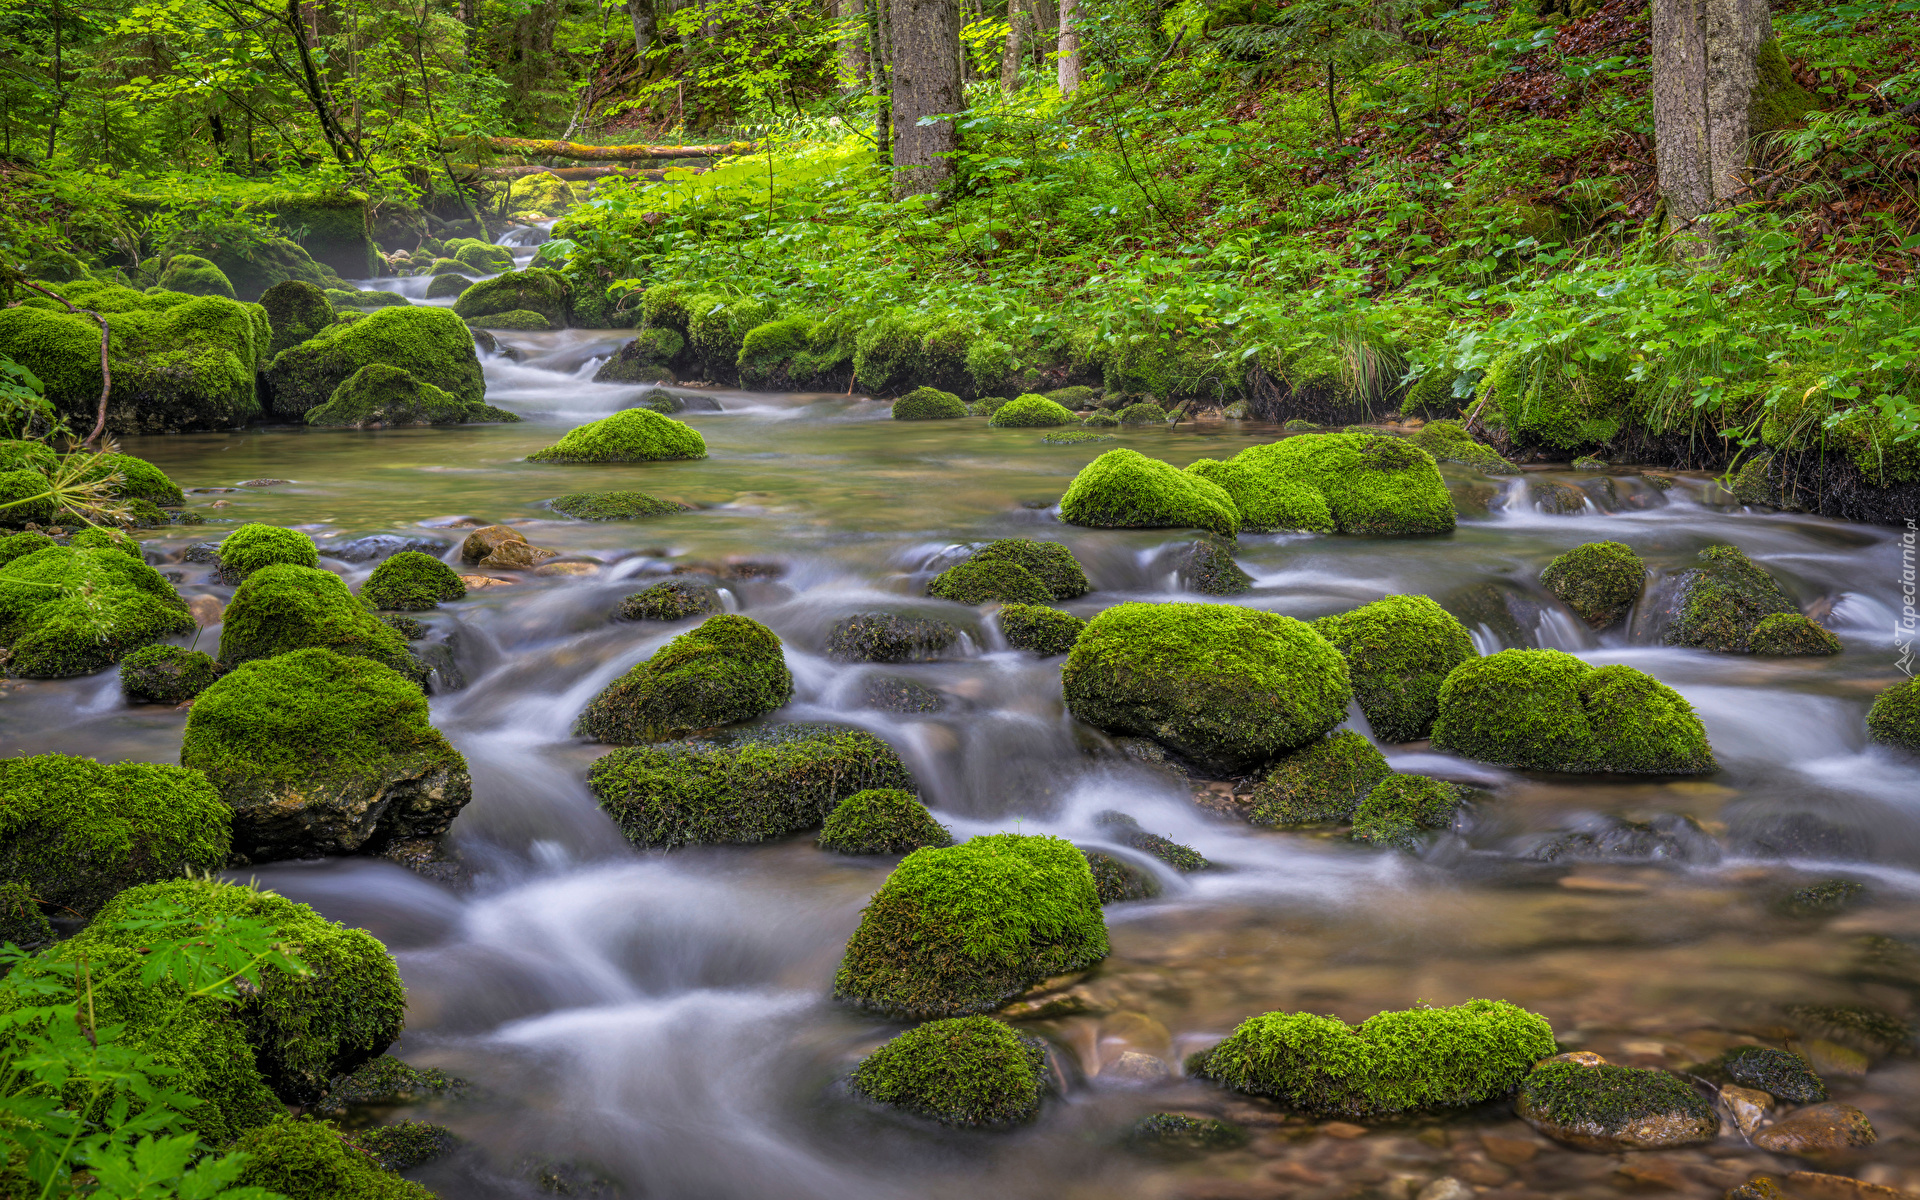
pixel 888 637
pixel 202 552
pixel 379 546
pixel 1117 880
pixel 1178 1136
pixel 263 482
pixel 1666 838
pixel 1776 1072
pixel 892 694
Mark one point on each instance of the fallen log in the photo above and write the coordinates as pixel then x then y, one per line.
pixel 537 148
pixel 570 174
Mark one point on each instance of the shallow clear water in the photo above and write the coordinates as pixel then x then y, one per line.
pixel 660 1021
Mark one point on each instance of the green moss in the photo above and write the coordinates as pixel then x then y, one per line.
pixel 334 224
pixel 630 435
pixel 22 923
pixel 244 1061
pixel 881 821
pixel 296 311
pixel 768 348
pixel 673 600
pixel 431 344
pixel 451 283
pixel 966 1071
pixel 928 404
pixel 27 456
pixel 1116 881
pixel 1599 581
pixel 1372 483
pixel 1127 831
pixel 1073 437
pixel 139 479
pixel 1401 807
pixel 519 318
pixel 1052 563
pixel 664 306
pixel 404 1144
pixel 1100 420
pixel 1543 710
pixel 614 506
pixel 478 256
pixel 97 537
pixel 20 545
pixel 302 746
pixel 377 396
pixel 1179 1136
pixel 1418 1058
pixel 717 330
pixel 1125 489
pixel 888 638
pixel 163 674
pixel 1789 634
pixel 253 546
pixel 1399 651
pixel 72 612
pixel 1894 718
pixel 1146 413
pixel 645 359
pixel 728 669
pixel 1037 630
pixel 1266 503
pixel 1206 566
pixel 1778 101
pixel 766 783
pixel 195 276
pixel 887 352
pixel 1449 441
pixel 977 581
pixel 1868 1029
pixel 284 607
pixel 411 581
pixel 1322 783
pixel 1776 1072
pixel 1026 412
pixel 533 290
pixel 1827 898
pixel 988 362
pixel 25 498
pixel 1603 1098
pixel 77 833
pixel 447 266
pixel 965 929
pixel 383 1082
pixel 307 1160
pixel 1231 688
pixel 1718 604
pixel 1563 405
pixel 1076 397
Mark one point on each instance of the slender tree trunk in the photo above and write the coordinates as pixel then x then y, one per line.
pixel 640 12
pixel 1018 17
pixel 926 82
pixel 880 21
pixel 59 88
pixel 853 45
pixel 1043 24
pixel 1069 47
pixel 1703 81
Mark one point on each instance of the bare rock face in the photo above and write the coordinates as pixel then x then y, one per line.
pixel 502 547
pixel 1817 1129
pixel 1582 1100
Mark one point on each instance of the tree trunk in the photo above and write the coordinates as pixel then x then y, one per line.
pixel 926 82
pixel 640 12
pixel 853 45
pixel 538 148
pixel 1069 47
pixel 880 28
pixel 1042 28
pixel 1703 80
pixel 1017 19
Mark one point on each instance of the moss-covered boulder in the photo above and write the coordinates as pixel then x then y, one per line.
pixel 1585 1101
pixel 244 1061
pixel 1266 503
pixel 77 833
pixel 881 821
pixel 614 506
pixel 964 1071
pixel 308 1160
pixel 1178 1136
pixel 1544 710
pixel 21 921
pixel 928 404
pixel 1230 688
pixel 1894 719
pixel 965 929
pixel 26 498
pixel 26 455
pixel 1788 635
pixel 978 581
pixel 481 256
pixel 889 638
pixel 648 358
pixel 1599 581
pixel 630 435
pixel 730 668
pixel 130 478
pixel 378 396
pixel 296 311
pixel 19 545
pixel 764 782
pixel 1779 1073
pixel 1049 562
pixel 451 283
pixel 1125 830
pixel 1144 413
pixel 1401 808
pixel 1399 651
pixel 1207 566
pixel 1124 489
pixel 334 225
pixel 1718 604
pixel 1118 880
pixel 1418 1058
pixel 318 753
pixel 285 607
pixel 1038 630
pixel 769 349
pixel 532 290
pixel 519 318
pixel 1320 783
pixel 1372 483
pixel 163 674
pixel 253 546
pixel 1028 412
pixel 430 344
pixel 412 582
pixel 72 612
pixel 195 276
pixel 672 600
pixel 1449 441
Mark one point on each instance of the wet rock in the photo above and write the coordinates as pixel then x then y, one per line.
pixel 404 1145
pixel 1864 1028
pixel 1831 1058
pixel 980 581
pixel 386 1081
pixel 889 638
pixel 1718 605
pixel 1446 1188
pixel 1581 1099
pixel 1790 635
pixel 1320 784
pixel 429 858
pixel 967 1071
pixel 1894 719
pixel 379 546
pixel 164 674
pixel 1763 1188
pixel 1207 567
pixel 1399 651
pixel 1117 880
pixel 1747 1106
pixel 1038 630
pixel 672 600
pixel 1819 1129
pixel 1178 1136
pixel 727 669
pixel 406 627
pixel 1776 1072
pixel 740 569
pixel 1127 831
pixel 201 552
pixel 1665 838
pixel 881 821
pixel 516 556
pixel 648 358
pixel 566 569
pixel 1401 807
pixel 1599 581
pixel 1134 1069
pixel 263 483
pixel 890 693
pixel 483 542
pixel 1508 1151
pixel 1827 898
pixel 1817 1185
pixel 1556 498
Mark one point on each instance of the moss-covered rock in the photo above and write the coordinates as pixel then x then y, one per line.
pixel 72 612
pixel 1547 402
pixel 319 753
pixel 1418 1058
pixel 296 311
pixel 334 225
pixel 451 283
pixel 630 435
pixel 1050 562
pixel 889 638
pixel 1894 719
pixel 1231 688
pixel 1125 489
pixel 965 929
pixel 1117 881
pixel 1265 502
pixel 1717 605
pixel 1127 831
pixel 928 404
pixel 717 329
pixel 22 923
pixel 253 546
pixel 1321 783
pixel 308 1160
pixel 518 318
pixel 404 1145
pixel 20 545
pixel 1372 483
pixel 978 581
pixel 1402 807
pixel 1779 1073
pixel 284 607
pixel 1179 1136
pixel 672 600
pixel 1144 413
pixel 1207 566
pixel 882 821
pixel 1449 441
pixel 533 290
pixel 385 1082
pixel 77 833
pixel 26 498
pixel 614 506
pixel 410 582
pixel 1073 437
pixel 163 674
pixel 481 256
pixel 1028 412
pixel 244 1061
pixel 1399 651
pixel 1038 630
pixel 18 455
pixel 378 396
pixel 195 276
pixel 1786 635
pixel 964 1071
pixel 1585 1101
pixel 1077 396
pixel 728 669
pixel 765 782
pixel 431 344
pixel 769 349
pixel 1599 581
pixel 648 358
pixel 1544 710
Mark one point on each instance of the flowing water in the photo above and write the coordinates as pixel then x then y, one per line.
pixel 658 1024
